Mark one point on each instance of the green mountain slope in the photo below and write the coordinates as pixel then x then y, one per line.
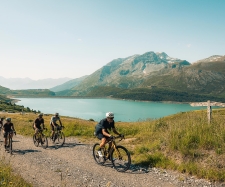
pixel 161 78
pixel 68 85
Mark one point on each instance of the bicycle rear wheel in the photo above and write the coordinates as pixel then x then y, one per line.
pixel 99 159
pixel 60 139
pixel 120 158
pixel 36 140
pixel 44 141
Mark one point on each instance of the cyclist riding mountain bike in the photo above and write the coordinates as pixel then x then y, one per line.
pixel 38 122
pixel 54 126
pixel 102 130
pixel 7 128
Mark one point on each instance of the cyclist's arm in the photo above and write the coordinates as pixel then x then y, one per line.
pixel 13 128
pixel 35 125
pixel 105 133
pixel 3 127
pixel 60 122
pixel 115 131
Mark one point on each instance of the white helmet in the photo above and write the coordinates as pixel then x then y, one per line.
pixel 109 115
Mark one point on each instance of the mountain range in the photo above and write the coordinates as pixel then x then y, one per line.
pixel 151 76
pixel 154 71
pixel 27 83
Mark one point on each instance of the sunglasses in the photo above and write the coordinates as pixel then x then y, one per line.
pixel 111 118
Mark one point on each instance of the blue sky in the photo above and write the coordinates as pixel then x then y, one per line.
pixel 71 38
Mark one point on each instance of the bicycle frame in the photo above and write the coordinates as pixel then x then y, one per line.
pixel 9 141
pixel 40 137
pixel 112 147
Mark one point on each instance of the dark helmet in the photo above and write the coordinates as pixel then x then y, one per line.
pixel 8 119
pixel 40 115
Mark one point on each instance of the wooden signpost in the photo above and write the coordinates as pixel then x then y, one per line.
pixel 209 105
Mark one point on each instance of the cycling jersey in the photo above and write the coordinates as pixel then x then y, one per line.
pixel 7 126
pixel 38 122
pixel 104 124
pixel 54 119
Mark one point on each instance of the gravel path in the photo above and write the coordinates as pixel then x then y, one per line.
pixel 73 165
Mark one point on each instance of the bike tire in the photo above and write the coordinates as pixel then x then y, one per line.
pixel 44 141
pixel 10 145
pixel 35 140
pixel 59 139
pixel 120 158
pixel 97 158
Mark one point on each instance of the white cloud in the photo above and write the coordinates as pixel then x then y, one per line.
pixel 79 39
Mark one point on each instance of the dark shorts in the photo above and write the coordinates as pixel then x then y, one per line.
pixel 38 129
pixel 54 128
pixel 6 133
pixel 100 136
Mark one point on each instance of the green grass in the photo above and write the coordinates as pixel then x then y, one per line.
pixel 184 142
pixel 8 178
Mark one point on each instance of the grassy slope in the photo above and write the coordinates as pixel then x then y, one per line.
pixel 183 142
pixel 8 178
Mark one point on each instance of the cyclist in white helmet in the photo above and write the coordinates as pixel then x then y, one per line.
pixel 53 123
pixel 103 127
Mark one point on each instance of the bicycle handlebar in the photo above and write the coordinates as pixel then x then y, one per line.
pixel 116 137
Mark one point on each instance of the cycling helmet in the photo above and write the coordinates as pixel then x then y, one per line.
pixel 40 115
pixel 8 119
pixel 109 115
pixel 56 114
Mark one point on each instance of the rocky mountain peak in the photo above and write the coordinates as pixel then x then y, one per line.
pixel 213 58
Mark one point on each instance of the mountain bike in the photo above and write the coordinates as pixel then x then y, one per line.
pixel 40 138
pixel 117 154
pixel 59 137
pixel 9 141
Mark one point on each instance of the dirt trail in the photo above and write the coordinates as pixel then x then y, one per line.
pixel 73 165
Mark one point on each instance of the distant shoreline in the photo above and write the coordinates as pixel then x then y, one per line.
pixel 82 97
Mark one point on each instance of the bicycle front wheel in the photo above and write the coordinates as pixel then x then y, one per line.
pixel 10 145
pixel 120 158
pixel 44 141
pixel 60 139
pixel 99 159
pixel 35 140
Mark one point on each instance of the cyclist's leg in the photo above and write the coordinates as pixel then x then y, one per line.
pixel 53 132
pixel 36 130
pixel 11 133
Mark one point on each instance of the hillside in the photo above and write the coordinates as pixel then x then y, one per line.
pixel 31 93
pixel 166 143
pixel 127 72
pixel 203 77
pixel 68 85
pixel 179 80
pixel 26 93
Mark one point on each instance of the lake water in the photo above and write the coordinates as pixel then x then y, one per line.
pixel 96 108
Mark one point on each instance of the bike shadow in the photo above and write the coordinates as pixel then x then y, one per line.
pixel 134 169
pixel 65 145
pixel 25 151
